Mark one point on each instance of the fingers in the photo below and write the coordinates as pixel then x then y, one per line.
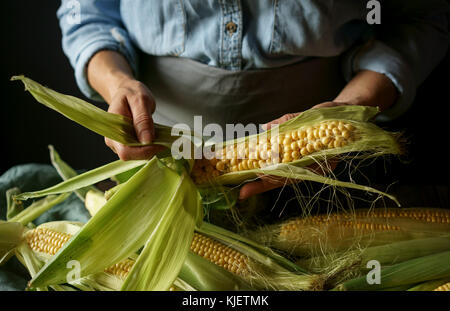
pixel 127 153
pixel 283 119
pixel 257 187
pixel 329 104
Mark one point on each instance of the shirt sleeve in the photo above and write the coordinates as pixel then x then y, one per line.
pixel 410 42
pixel 87 27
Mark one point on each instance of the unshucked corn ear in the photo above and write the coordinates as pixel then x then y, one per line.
pixel 46 240
pixel 134 217
pixel 257 265
pixel 315 235
pixel 34 247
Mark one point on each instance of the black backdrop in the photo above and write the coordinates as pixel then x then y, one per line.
pixel 31 42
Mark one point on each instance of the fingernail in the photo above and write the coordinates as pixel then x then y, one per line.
pixel 145 137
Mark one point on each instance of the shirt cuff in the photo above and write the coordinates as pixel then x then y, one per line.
pixel 89 51
pixel 381 58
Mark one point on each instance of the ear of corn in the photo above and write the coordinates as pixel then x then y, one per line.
pixel 132 216
pixel 443 288
pixel 310 236
pixel 247 260
pixel 413 271
pixel 314 136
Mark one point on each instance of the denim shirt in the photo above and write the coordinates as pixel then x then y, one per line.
pixel 236 35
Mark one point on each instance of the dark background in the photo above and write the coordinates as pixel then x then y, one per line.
pixel 32 46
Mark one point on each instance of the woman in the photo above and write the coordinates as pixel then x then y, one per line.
pixel 248 61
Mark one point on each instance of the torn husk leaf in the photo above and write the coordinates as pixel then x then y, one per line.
pixel 113 126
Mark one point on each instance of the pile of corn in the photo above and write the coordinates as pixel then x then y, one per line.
pixel 179 251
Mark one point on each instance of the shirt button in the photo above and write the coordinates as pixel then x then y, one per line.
pixel 231 27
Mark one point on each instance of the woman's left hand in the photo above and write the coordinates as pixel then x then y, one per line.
pixel 267 182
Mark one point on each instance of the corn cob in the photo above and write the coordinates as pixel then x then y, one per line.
pixel 339 231
pixel 284 148
pixel 443 288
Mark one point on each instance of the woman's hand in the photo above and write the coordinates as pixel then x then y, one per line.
pixel 134 100
pixel 111 76
pixel 367 88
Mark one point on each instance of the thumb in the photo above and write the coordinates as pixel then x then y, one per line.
pixel 280 120
pixel 143 122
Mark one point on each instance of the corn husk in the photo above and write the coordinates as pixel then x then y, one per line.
pixel 132 217
pixel 413 271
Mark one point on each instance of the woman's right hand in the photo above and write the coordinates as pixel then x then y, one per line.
pixel 133 99
pixel 111 76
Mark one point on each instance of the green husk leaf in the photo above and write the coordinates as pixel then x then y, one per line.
pixel 413 271
pixel 204 275
pixel 350 264
pixel 116 127
pixel 10 237
pixel 85 179
pixel 163 255
pixel 125 222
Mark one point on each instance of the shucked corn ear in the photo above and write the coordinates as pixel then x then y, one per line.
pixel 313 235
pixel 314 135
